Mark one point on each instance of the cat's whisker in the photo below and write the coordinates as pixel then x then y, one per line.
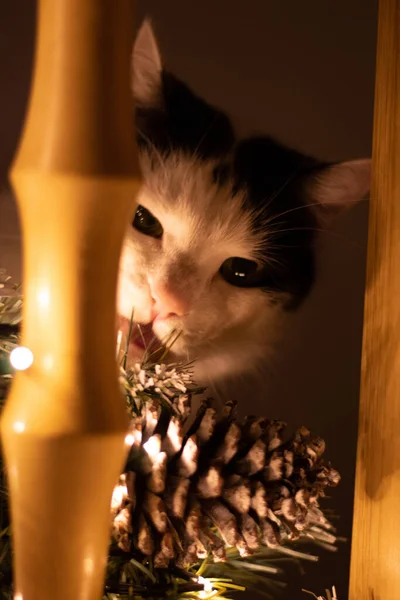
pixel 288 180
pixel 204 136
pixel 305 206
pixel 329 232
pixel 274 261
pixel 267 201
pixel 152 146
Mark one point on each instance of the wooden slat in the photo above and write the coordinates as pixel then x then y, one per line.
pixel 75 178
pixel 375 561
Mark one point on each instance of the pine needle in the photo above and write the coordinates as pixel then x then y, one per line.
pixel 329 595
pixel 144 569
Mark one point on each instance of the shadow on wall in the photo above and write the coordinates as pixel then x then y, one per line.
pixel 305 73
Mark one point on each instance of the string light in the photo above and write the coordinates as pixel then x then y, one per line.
pixel 208 587
pixel 19 427
pixel 21 358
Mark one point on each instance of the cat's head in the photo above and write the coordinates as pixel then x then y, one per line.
pixel 223 240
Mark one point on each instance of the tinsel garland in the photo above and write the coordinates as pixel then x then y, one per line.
pixel 206 504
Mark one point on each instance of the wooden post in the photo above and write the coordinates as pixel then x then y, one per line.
pixel 75 178
pixel 375 562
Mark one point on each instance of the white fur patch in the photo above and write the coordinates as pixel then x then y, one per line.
pixel 225 328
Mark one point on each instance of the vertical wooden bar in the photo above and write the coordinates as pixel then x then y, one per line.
pixel 375 561
pixel 75 177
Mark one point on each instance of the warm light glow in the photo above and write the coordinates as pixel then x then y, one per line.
pixel 88 565
pixel 174 434
pixel 189 457
pixel 19 427
pixel 48 362
pixel 134 436
pixel 208 587
pixel 18 597
pixel 21 358
pixel 153 446
pixel 44 298
pixel 138 436
pixel 129 439
pixel 120 492
pixel 207 584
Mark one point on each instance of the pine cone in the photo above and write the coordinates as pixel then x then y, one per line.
pixel 193 489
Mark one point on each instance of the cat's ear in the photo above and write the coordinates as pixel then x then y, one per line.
pixel 146 68
pixel 340 186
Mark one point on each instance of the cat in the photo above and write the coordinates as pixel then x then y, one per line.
pixel 222 243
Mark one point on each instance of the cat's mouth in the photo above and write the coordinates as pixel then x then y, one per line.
pixel 152 341
pixel 141 339
pixel 143 336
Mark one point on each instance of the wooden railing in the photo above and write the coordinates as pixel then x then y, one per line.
pixel 75 178
pixel 375 561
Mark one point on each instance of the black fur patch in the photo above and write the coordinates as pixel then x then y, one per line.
pixel 184 122
pixel 272 177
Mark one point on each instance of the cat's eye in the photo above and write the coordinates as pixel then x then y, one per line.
pixel 146 223
pixel 241 272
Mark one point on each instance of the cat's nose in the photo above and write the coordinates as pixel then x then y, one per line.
pixel 167 302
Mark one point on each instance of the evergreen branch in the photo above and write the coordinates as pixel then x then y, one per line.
pixel 161 389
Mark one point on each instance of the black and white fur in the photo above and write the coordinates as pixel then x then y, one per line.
pixel 218 197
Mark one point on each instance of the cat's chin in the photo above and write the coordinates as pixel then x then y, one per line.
pixel 216 368
pixel 233 361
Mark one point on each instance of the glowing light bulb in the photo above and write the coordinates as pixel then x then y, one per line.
pixel 18 597
pixel 19 427
pixel 207 584
pixel 21 358
pixel 208 587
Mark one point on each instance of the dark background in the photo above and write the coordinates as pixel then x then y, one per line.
pixel 304 72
